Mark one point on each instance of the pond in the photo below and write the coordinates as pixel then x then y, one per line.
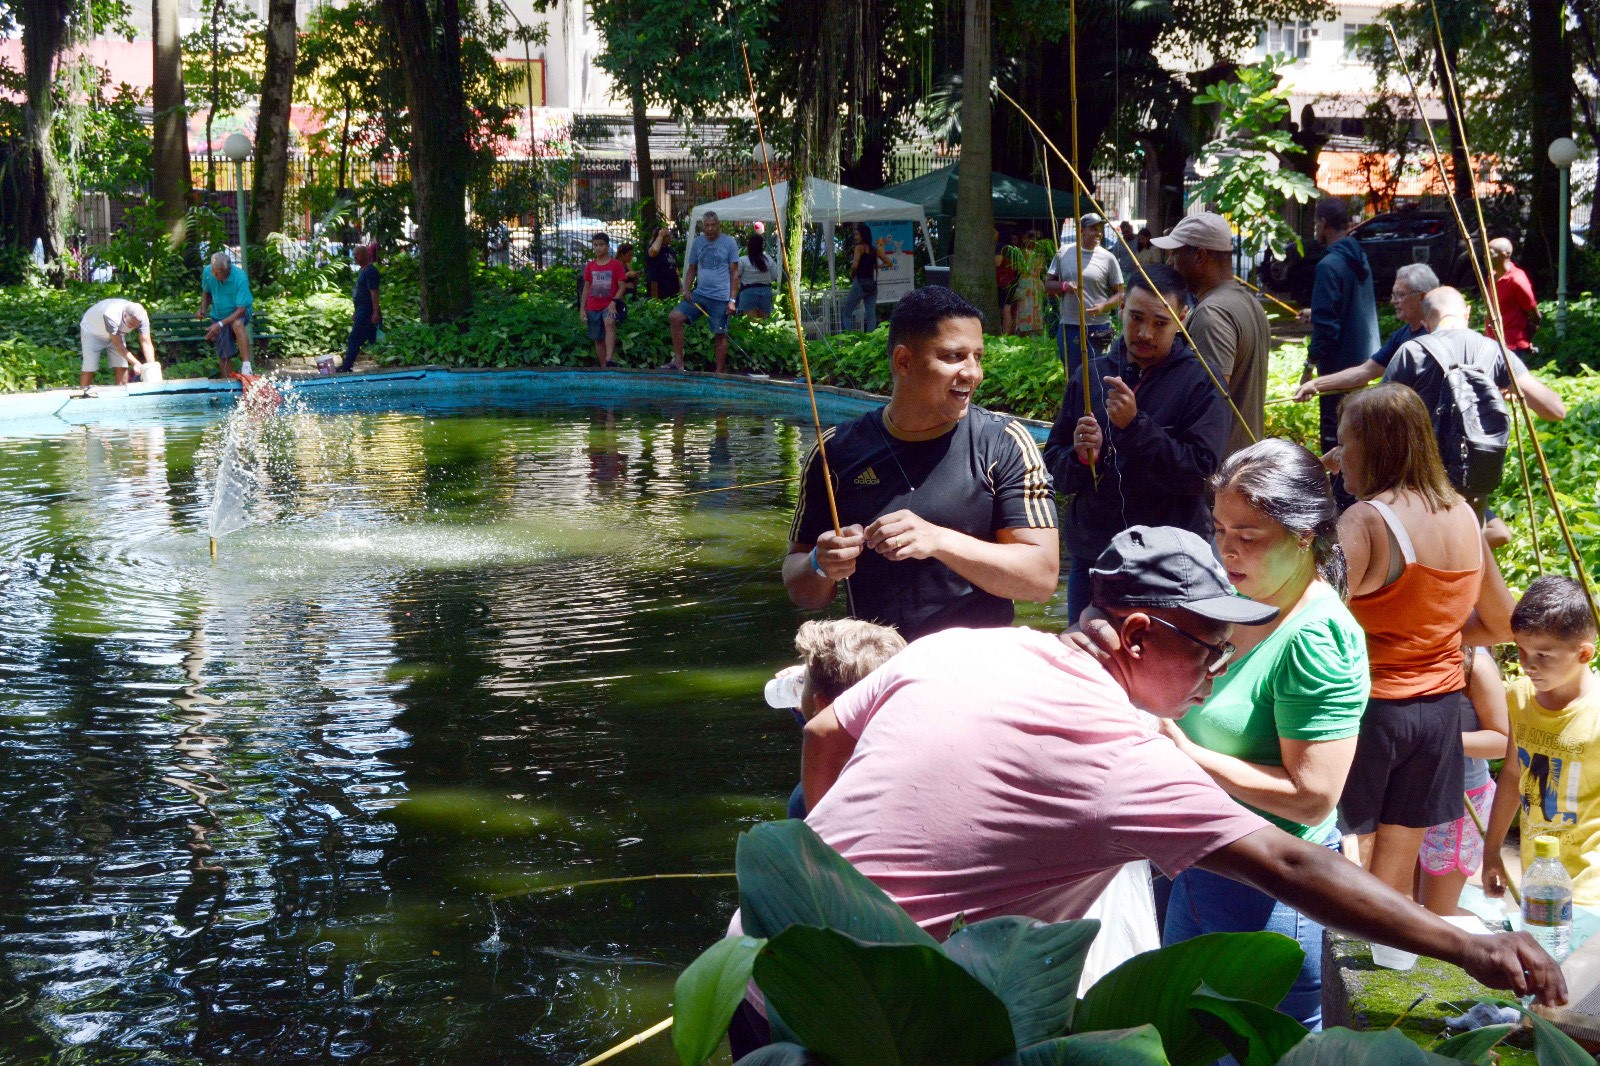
pixel 297 803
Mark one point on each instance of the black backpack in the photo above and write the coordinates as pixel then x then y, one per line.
pixel 1472 424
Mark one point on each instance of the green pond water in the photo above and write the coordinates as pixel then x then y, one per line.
pixel 288 805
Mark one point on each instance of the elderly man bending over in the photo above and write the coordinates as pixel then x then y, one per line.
pixel 225 299
pixel 1010 772
pixel 103 328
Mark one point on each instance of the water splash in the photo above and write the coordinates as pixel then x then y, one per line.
pixel 493 945
pixel 270 420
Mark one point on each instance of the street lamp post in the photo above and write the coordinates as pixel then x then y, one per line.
pixel 1563 152
pixel 238 148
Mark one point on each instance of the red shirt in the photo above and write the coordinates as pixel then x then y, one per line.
pixel 604 281
pixel 1515 293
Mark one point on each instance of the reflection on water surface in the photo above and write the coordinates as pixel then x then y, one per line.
pixel 258 808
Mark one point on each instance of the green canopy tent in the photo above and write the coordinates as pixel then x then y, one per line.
pixel 1013 198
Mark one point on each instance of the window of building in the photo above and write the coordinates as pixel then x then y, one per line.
pixel 1287 38
pixel 1352 36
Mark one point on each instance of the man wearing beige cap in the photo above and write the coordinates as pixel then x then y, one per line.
pixel 1228 325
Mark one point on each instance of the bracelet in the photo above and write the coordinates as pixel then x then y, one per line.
pixel 816 568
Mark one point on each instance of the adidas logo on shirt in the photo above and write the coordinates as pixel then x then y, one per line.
pixel 867 477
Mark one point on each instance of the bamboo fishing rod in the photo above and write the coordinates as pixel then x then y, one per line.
pixel 794 291
pixel 1263 292
pixel 1177 317
pixel 1490 296
pixel 1077 224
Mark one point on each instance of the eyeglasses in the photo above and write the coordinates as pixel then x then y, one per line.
pixel 1221 654
pixel 1401 294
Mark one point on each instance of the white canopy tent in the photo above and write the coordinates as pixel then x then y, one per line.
pixel 827 204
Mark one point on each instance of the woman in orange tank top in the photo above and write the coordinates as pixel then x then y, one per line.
pixel 1422 582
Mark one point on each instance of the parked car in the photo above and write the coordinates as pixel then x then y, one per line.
pixel 1391 240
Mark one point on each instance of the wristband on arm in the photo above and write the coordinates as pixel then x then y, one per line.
pixel 816 568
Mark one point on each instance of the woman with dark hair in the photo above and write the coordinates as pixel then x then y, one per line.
pixel 865 259
pixel 1422 583
pixel 757 275
pixel 1279 730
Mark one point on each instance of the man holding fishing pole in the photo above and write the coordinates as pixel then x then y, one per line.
pixel 947 515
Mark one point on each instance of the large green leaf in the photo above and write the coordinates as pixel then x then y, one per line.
pixel 788 876
pixel 1032 966
pixel 1551 1046
pixel 1474 1046
pixel 1345 1047
pixel 1156 987
pixel 1114 1047
pixel 707 994
pixel 1253 1033
pixel 880 1004
pixel 780 1055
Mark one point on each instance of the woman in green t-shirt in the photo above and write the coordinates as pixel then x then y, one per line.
pixel 1279 731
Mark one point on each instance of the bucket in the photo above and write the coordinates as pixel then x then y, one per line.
pixel 325 363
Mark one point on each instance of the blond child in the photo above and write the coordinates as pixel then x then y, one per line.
pixel 1453 852
pixel 834 654
pixel 1553 758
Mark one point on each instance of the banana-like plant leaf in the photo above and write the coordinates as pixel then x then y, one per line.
pixel 1475 1046
pixel 1551 1046
pixel 707 994
pixel 788 876
pixel 880 1004
pixel 1113 1047
pixel 780 1055
pixel 1346 1047
pixel 1032 966
pixel 1156 988
pixel 1254 1034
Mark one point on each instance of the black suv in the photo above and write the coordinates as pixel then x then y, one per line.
pixel 1390 240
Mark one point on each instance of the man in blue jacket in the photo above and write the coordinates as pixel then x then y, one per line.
pixel 1159 431
pixel 1344 312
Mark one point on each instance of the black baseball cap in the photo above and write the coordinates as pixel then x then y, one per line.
pixel 1162 566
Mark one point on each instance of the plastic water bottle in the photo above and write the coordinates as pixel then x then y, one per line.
pixel 1547 899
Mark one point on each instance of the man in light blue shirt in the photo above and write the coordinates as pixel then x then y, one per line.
pixel 712 281
pixel 225 299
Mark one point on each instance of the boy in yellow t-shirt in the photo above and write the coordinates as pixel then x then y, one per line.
pixel 1553 759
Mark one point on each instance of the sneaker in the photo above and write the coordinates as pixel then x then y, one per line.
pixel 671 366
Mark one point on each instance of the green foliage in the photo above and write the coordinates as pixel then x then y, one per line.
pixel 1246 180
pixel 222 63
pixel 1580 347
pixel 25 366
pixel 708 993
pixel 102 140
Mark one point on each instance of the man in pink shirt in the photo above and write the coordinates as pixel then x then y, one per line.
pixel 1518 309
pixel 1004 771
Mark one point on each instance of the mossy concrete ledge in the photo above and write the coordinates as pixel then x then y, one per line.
pixel 1359 994
pixel 52 411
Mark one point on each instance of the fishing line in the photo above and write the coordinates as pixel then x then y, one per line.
pixel 1076 177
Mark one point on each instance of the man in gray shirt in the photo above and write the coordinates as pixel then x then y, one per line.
pixel 712 289
pixel 1101 283
pixel 1228 326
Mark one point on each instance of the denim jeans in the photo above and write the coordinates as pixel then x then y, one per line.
pixel 867 302
pixel 1204 902
pixel 1078 588
pixel 1067 341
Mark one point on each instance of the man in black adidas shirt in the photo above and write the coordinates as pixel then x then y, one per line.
pixel 946 511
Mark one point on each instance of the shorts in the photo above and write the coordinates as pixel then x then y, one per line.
pixel 756 298
pixel 227 344
pixel 1408 765
pixel 597 322
pixel 93 344
pixel 1458 846
pixel 697 304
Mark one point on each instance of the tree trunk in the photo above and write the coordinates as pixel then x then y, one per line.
pixel 1446 55
pixel 1551 103
pixel 169 155
pixel 44 35
pixel 211 103
pixel 428 38
pixel 972 269
pixel 272 123
pixel 649 217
